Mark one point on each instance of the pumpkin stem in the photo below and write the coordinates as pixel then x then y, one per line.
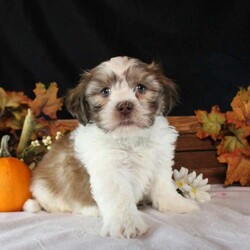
pixel 26 132
pixel 4 152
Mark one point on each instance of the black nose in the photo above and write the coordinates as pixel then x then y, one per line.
pixel 125 107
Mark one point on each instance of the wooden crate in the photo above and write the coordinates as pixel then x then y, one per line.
pixel 191 152
pixel 196 154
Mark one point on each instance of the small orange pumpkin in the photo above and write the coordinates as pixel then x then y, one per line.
pixel 15 179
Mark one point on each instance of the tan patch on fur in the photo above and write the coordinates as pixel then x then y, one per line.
pixel 63 175
pixel 86 102
pixel 76 100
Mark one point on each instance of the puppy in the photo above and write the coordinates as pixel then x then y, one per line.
pixel 121 152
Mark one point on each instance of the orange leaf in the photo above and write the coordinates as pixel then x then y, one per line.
pixel 46 100
pixel 238 167
pixel 12 99
pixel 51 127
pixel 57 126
pixel 210 123
pixel 241 108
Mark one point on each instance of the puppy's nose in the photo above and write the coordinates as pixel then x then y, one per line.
pixel 125 107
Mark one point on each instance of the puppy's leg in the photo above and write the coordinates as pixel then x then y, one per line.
pixel 165 197
pixel 115 198
pixel 92 211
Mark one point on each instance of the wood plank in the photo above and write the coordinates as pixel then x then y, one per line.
pixel 184 124
pixel 197 159
pixel 189 142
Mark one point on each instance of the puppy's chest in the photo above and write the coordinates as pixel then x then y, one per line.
pixel 137 164
pixel 136 155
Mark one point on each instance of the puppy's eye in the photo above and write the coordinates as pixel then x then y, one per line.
pixel 105 92
pixel 140 88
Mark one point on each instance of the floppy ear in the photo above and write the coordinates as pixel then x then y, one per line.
pixel 76 100
pixel 169 97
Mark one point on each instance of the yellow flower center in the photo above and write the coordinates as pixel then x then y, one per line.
pixel 179 184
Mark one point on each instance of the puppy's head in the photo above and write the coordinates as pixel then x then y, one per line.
pixel 122 95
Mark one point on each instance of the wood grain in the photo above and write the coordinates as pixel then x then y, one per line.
pixel 197 159
pixel 189 142
pixel 184 124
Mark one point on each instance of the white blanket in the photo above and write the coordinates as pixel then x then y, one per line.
pixel 222 223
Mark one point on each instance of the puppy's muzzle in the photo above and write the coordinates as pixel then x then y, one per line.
pixel 125 107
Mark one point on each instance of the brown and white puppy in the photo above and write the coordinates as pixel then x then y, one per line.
pixel 121 152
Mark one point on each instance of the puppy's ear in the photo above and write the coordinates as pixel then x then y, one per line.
pixel 169 96
pixel 76 100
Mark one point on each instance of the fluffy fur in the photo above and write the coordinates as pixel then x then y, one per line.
pixel 121 153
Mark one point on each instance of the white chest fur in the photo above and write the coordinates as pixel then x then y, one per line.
pixel 135 158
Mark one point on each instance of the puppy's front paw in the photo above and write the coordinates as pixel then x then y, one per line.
pixel 176 205
pixel 125 227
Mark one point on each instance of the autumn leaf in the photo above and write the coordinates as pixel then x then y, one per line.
pixel 237 140
pixel 51 127
pixel 46 100
pixel 12 99
pixel 57 126
pixel 240 114
pixel 15 121
pixel 238 167
pixel 210 123
pixel 13 108
pixel 234 148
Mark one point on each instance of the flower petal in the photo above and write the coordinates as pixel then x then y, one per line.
pixel 183 172
pixel 186 188
pixel 191 177
pixel 205 188
pixel 176 174
pixel 203 182
pixel 203 196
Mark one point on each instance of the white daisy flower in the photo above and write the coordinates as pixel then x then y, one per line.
pixel 180 178
pixel 192 186
pixel 199 189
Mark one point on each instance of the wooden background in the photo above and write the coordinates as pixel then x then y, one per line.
pixel 196 154
pixel 191 152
